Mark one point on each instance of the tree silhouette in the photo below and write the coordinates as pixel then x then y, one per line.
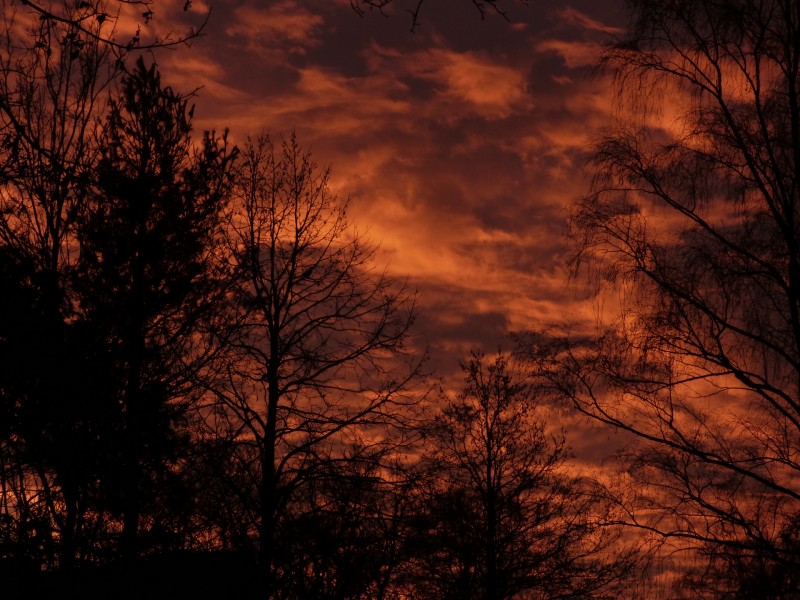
pixel 144 280
pixel 52 95
pixel 696 221
pixel 501 515
pixel 317 338
pixel 342 531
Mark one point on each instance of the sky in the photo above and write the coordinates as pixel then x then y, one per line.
pixel 460 146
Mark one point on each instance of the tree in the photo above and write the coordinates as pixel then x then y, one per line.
pixel 145 281
pixel 695 221
pixel 502 516
pixel 317 336
pixel 343 531
pixel 59 64
pixel 53 83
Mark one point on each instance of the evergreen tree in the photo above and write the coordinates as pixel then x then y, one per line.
pixel 145 280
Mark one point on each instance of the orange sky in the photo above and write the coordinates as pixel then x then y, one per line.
pixel 461 145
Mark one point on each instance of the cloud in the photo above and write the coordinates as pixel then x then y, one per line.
pixel 493 89
pixel 460 148
pixel 152 22
pixel 459 157
pixel 575 17
pixel 490 88
pixel 576 54
pixel 284 25
pixel 330 104
pixel 196 71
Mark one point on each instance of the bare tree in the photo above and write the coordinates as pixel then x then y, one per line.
pixel 501 515
pixel 317 345
pixel 343 531
pixel 54 82
pixel 695 223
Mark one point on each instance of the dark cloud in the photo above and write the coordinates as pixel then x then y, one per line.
pixel 460 145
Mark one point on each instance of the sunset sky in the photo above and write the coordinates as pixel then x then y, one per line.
pixel 461 145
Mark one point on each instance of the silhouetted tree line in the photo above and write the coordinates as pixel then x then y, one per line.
pixel 208 388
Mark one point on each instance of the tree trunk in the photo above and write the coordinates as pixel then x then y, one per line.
pixel 131 502
pixel 491 533
pixel 67 541
pixel 130 488
pixel 269 483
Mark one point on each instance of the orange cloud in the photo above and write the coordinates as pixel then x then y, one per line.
pixel 575 17
pixel 464 81
pixel 284 24
pixel 576 54
pixel 196 70
pixel 493 90
pixel 459 157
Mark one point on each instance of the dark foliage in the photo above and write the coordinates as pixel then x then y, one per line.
pixel 143 282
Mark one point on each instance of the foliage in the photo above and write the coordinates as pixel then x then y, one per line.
pixel 52 95
pixel 144 281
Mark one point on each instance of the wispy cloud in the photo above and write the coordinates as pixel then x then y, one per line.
pixel 459 157
pixel 196 72
pixel 576 54
pixel 285 25
pixel 482 85
pixel 493 89
pixel 576 17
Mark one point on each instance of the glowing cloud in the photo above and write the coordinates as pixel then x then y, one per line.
pixel 495 90
pixel 575 54
pixel 465 81
pixel 572 16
